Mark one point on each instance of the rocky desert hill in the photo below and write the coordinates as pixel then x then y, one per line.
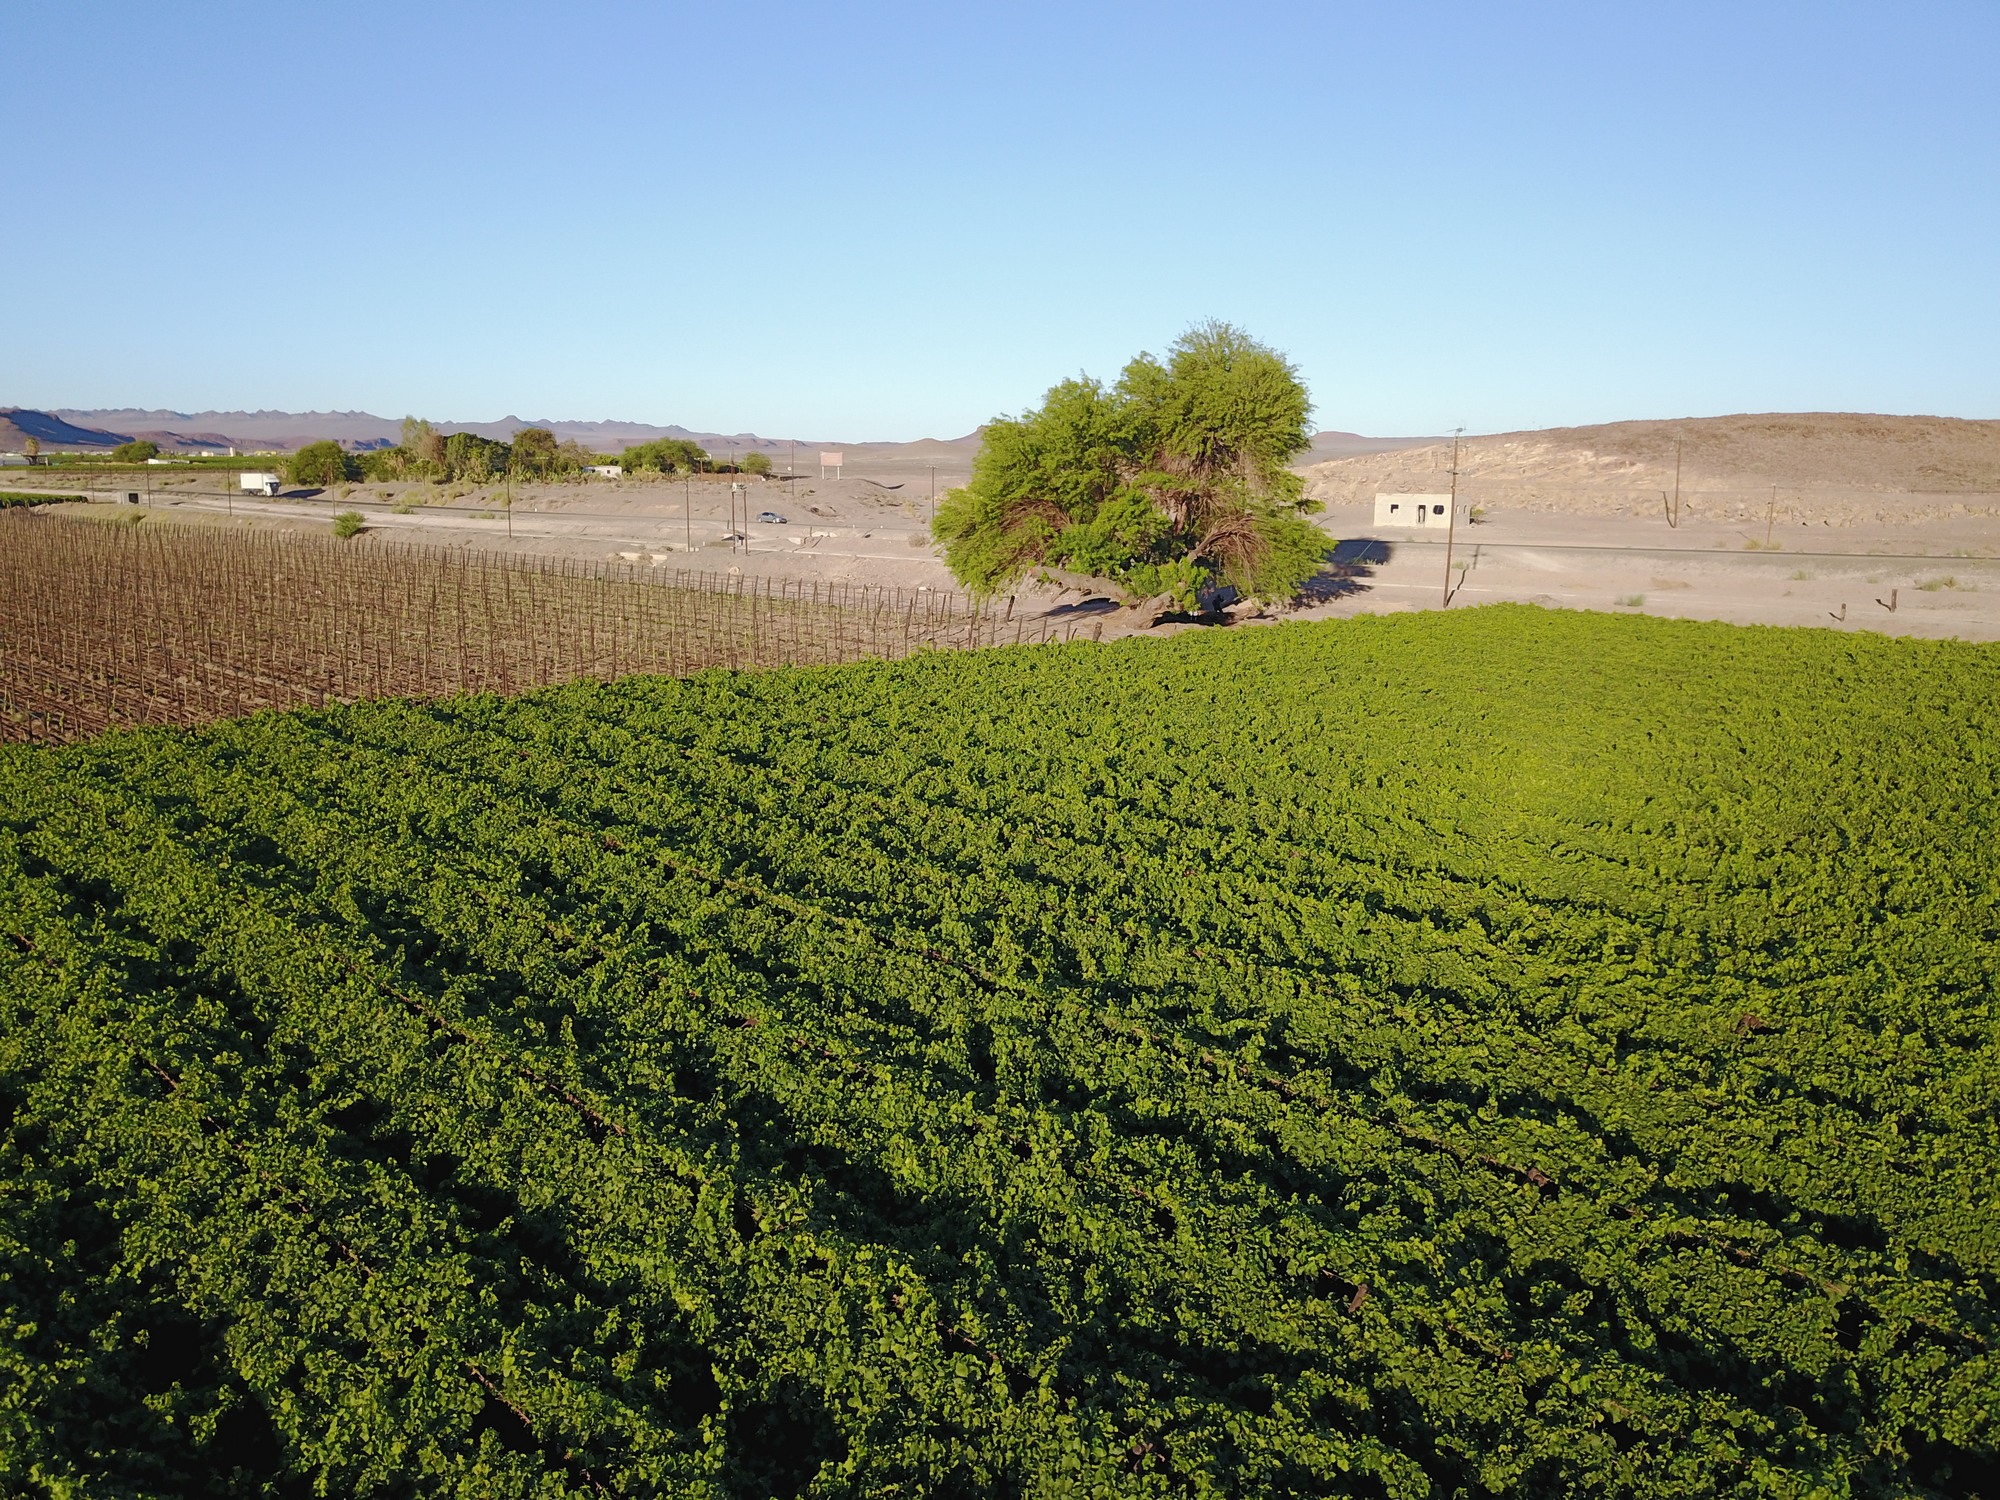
pixel 18 424
pixel 1838 467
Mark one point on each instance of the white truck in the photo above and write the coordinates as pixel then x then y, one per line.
pixel 257 482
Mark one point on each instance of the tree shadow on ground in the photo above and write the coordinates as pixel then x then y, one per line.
pixel 1348 567
pixel 1098 606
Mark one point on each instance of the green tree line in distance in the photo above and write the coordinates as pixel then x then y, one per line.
pixel 465 457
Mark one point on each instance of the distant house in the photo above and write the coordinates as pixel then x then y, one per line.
pixel 1414 510
pixel 14 460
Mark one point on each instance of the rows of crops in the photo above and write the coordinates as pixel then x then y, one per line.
pixel 112 626
pixel 1503 1052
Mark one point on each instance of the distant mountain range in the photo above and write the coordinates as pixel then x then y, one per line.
pixel 71 430
pixel 214 431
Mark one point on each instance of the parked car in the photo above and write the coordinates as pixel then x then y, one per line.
pixel 771 518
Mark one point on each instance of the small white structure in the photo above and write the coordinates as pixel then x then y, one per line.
pixel 609 471
pixel 258 482
pixel 1414 510
pixel 14 460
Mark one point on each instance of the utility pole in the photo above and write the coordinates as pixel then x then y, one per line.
pixel 1675 518
pixel 1770 518
pixel 687 510
pixel 933 494
pixel 1451 516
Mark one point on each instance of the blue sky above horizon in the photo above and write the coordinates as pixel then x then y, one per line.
pixel 897 220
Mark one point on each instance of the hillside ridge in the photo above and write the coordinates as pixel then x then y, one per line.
pixel 1626 465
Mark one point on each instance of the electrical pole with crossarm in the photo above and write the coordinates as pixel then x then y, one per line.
pixel 1451 517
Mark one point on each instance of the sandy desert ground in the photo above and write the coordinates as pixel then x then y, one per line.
pixel 1839 522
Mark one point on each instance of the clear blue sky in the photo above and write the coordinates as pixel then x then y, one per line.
pixel 892 221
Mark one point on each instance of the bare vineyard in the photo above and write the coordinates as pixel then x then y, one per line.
pixel 108 626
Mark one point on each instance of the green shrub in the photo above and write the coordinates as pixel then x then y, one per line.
pixel 348 523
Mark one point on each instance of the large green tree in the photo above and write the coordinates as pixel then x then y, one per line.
pixel 324 462
pixel 663 456
pixel 1176 476
pixel 536 453
pixel 422 444
pixel 473 458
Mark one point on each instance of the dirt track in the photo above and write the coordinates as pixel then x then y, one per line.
pixel 1943 580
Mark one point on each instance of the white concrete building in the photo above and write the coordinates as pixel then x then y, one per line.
pixel 1415 510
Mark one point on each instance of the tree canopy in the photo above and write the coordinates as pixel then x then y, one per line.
pixel 1174 477
pixel 468 458
pixel 324 462
pixel 136 452
pixel 536 452
pixel 476 459
pixel 663 456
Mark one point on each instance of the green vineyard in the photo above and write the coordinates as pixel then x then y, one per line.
pixel 1503 1052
